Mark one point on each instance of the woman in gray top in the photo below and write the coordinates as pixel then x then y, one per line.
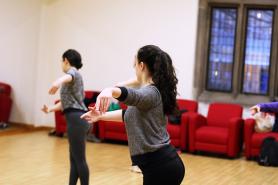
pixel 150 97
pixel 72 105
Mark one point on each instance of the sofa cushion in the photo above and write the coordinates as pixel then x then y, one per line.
pixel 210 134
pixel 220 113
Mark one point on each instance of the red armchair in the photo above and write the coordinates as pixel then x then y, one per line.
pixel 219 132
pixel 179 133
pixel 60 121
pixel 253 140
pixel 113 130
pixel 5 103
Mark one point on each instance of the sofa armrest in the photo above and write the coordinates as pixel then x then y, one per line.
pixel 184 130
pixel 5 89
pixel 185 118
pixel 195 121
pixel 5 108
pixel 235 126
pixel 249 125
pixel 235 136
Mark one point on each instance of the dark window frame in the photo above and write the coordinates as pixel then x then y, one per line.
pixel 209 48
pixel 244 44
pixel 202 53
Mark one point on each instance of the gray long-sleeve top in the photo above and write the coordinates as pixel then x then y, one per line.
pixel 144 119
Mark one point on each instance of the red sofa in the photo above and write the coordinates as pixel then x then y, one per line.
pixel 117 131
pixel 5 102
pixel 179 133
pixel 253 140
pixel 219 132
pixel 113 130
pixel 60 121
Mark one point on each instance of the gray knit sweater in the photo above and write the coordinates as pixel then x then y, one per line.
pixel 145 120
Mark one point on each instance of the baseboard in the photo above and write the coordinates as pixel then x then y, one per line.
pixel 30 126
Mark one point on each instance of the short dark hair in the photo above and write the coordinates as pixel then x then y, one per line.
pixel 73 57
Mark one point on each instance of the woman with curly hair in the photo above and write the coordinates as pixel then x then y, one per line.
pixel 150 97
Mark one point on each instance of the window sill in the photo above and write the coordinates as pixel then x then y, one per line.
pixel 243 99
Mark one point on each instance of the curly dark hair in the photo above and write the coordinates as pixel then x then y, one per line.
pixel 160 66
pixel 73 57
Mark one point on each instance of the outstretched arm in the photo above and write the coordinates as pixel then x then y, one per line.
pixel 57 83
pixel 94 115
pixel 271 107
pixel 54 108
pixel 133 82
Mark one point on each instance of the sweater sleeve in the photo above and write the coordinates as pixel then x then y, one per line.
pixel 71 72
pixel 269 107
pixel 143 98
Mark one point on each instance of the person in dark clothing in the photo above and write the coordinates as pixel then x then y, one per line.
pixel 150 97
pixel 72 104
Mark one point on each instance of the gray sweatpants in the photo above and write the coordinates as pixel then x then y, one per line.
pixel 77 131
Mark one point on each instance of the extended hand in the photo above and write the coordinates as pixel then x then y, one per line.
pixel 91 116
pixel 45 109
pixel 255 109
pixel 53 89
pixel 104 100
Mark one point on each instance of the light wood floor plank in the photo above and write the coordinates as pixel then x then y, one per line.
pixel 34 158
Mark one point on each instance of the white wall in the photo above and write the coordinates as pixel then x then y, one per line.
pixel 19 23
pixel 35 33
pixel 108 34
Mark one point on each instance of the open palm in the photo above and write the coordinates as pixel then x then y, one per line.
pixel 92 115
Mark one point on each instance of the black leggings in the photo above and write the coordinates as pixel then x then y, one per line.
pixel 77 130
pixel 163 167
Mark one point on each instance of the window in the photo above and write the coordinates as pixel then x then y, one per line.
pixel 239 63
pixel 221 49
pixel 257 51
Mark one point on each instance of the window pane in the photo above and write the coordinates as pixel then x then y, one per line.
pixel 221 49
pixel 257 51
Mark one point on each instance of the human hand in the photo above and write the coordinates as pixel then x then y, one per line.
pixel 104 100
pixel 91 116
pixel 45 109
pixel 53 89
pixel 255 109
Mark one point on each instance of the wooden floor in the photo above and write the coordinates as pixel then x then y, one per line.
pixel 34 158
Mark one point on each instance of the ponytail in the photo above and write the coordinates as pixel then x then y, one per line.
pixel 160 66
